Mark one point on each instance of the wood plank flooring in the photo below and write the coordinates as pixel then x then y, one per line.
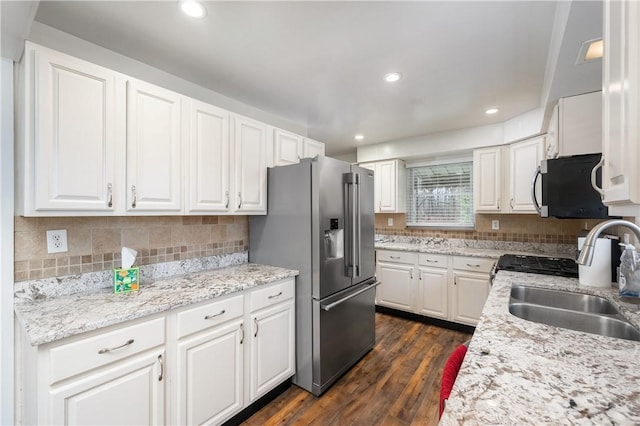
pixel 397 383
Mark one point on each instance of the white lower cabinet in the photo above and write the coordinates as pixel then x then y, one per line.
pixel 395 270
pixel 272 348
pixel 452 288
pixel 210 392
pixel 128 392
pixel 433 284
pixel 208 363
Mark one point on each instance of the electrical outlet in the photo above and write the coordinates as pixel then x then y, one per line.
pixel 390 221
pixel 57 241
pixel 495 225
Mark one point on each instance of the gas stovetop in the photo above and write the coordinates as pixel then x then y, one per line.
pixel 558 266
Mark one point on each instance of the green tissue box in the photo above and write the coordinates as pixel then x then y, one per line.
pixel 126 280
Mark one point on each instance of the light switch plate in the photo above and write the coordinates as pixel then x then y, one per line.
pixel 57 241
pixel 390 221
pixel 495 225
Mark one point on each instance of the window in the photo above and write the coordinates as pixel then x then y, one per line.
pixel 441 195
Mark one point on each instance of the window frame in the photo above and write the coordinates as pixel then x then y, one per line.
pixel 411 213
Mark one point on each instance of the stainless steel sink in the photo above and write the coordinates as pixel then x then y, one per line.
pixel 575 311
pixel 563 299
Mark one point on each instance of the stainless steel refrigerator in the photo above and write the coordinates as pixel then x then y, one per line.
pixel 320 220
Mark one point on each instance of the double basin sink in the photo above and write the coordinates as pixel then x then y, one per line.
pixel 575 311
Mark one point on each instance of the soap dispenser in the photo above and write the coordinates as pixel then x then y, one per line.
pixel 629 278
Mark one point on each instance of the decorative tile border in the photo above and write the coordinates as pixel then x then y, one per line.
pixel 72 265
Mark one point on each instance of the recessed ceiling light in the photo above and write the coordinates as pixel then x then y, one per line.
pixel 491 111
pixel 193 8
pixel 359 137
pixel 392 77
pixel 594 51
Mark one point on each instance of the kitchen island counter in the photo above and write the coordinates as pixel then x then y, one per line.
pixel 48 319
pixel 522 372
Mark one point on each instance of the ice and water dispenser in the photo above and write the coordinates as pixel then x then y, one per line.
pixel 334 240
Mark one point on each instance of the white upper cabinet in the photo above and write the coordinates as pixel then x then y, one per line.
pixel 621 108
pixel 390 186
pixel 208 159
pixel 524 158
pixel 154 149
pixel 575 127
pixel 287 148
pixel 250 177
pixel 311 148
pixel 487 179
pixel 94 142
pixel 71 136
pixel 503 175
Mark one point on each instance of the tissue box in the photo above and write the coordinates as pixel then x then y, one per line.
pixel 125 280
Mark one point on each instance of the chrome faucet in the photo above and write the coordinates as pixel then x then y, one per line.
pixel 586 254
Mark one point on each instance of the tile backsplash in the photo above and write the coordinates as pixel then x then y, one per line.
pixel 520 228
pixel 95 243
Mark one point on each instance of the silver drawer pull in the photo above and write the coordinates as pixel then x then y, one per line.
pixel 107 350
pixel 161 368
pixel 432 261
pixel 275 295
pixel 473 266
pixel 215 315
pixel 394 257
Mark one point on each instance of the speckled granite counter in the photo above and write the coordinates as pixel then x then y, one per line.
pixel 522 372
pixel 473 248
pixel 47 319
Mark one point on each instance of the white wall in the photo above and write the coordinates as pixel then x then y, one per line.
pixel 6 242
pixel 66 43
pixel 434 144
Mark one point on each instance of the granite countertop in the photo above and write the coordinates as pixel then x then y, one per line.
pixel 472 248
pixel 48 319
pixel 522 372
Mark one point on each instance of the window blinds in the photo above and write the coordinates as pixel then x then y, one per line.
pixel 441 195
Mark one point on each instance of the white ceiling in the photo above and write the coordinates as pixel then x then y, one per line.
pixel 321 64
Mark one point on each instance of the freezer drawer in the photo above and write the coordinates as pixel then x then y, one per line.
pixel 345 333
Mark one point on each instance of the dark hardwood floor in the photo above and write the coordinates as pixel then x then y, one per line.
pixel 397 383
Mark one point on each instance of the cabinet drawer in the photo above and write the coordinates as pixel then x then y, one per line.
pixel 396 256
pixel 93 352
pixel 271 295
pixel 434 260
pixel 476 264
pixel 210 314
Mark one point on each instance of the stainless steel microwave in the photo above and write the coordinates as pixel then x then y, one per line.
pixel 567 191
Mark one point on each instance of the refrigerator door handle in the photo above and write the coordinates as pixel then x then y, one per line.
pixel 358 231
pixel 351 225
pixel 352 295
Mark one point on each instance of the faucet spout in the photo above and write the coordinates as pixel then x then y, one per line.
pixel 586 254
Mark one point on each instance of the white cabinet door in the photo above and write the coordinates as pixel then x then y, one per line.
pixel 209 147
pixel 551 139
pixel 287 148
pixel 250 147
pixel 487 179
pixel 396 290
pixel 468 294
pixel 433 288
pixel 154 149
pixel 524 159
pixel 389 186
pixel 272 356
pixel 311 148
pixel 74 133
pixel 210 375
pixel 386 174
pixel 621 107
pixel 128 392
